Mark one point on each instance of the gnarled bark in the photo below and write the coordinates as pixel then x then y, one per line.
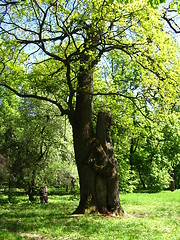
pixel 99 185
pixel 94 152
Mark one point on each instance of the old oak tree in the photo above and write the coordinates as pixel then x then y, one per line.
pixel 51 50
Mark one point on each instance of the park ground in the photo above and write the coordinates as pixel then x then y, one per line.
pixel 148 216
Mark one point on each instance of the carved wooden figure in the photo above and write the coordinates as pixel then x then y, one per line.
pixel 43 194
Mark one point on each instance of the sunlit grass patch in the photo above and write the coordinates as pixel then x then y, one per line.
pixel 149 216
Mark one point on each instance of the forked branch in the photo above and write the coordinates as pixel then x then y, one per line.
pixel 34 96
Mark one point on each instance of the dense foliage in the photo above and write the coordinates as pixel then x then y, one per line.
pixel 46 46
pixel 36 143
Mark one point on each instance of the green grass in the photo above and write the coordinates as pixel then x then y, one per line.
pixel 150 216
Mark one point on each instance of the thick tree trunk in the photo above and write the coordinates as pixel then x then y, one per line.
pixel 94 153
pixel 82 134
pixel 104 163
pixel 97 166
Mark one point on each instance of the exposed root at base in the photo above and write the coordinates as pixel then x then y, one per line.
pixel 105 215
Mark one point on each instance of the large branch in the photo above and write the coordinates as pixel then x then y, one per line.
pixel 171 16
pixel 131 98
pixel 34 96
pixel 6 3
pixel 172 24
pixel 107 94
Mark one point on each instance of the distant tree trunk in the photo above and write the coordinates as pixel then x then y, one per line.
pixel 72 184
pixel 142 181
pixel 172 184
pixel 131 154
pixel 8 141
pixel 97 166
pixel 31 186
pixel 31 190
pixel 9 188
pixel 10 180
pixel 67 185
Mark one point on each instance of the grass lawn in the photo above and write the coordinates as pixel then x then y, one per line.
pixel 150 216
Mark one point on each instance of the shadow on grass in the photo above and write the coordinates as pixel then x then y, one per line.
pixel 54 220
pixel 50 220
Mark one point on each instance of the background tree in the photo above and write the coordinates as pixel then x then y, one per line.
pixel 3 168
pixel 29 135
pixel 65 41
pixel 139 137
